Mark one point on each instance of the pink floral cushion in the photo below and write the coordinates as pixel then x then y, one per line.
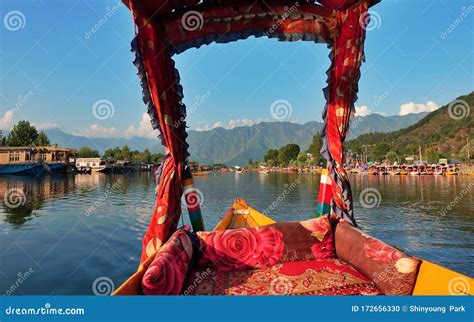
pixel 246 248
pixel 168 271
pixel 392 271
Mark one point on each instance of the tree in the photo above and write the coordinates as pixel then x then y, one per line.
pixel 272 155
pixel 42 139
pixel 288 153
pixel 315 146
pixel 302 157
pixel 146 156
pixel 23 134
pixel 392 156
pixel 250 162
pixel 380 150
pixel 86 152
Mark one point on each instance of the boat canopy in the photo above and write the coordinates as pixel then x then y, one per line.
pixel 166 28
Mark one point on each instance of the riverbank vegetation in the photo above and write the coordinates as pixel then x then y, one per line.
pixel 445 133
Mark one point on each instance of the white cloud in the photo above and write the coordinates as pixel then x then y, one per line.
pixel 6 121
pixel 418 108
pixel 231 124
pixel 362 111
pixel 99 131
pixel 143 129
pixel 46 126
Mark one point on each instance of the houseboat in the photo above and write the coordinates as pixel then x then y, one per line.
pixel 36 160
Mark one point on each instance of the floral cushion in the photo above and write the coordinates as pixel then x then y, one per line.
pixel 392 271
pixel 246 248
pixel 168 271
pixel 315 277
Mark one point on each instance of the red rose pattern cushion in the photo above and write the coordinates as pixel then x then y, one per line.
pixel 392 271
pixel 168 271
pixel 246 248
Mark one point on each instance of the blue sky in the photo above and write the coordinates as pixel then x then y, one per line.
pixel 52 74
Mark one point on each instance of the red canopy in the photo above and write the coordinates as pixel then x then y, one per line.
pixel 170 27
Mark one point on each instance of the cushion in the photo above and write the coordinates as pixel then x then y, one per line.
pixel 392 271
pixel 246 248
pixel 315 277
pixel 167 273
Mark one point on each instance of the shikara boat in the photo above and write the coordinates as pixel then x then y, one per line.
pixel 248 253
pixel 313 276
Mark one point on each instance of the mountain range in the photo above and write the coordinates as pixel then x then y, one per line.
pixel 236 146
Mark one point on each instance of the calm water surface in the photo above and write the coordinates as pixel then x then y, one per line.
pixel 72 230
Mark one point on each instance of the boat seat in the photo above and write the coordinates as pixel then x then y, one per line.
pixel 315 277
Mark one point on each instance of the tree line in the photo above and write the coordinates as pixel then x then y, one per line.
pixel 292 154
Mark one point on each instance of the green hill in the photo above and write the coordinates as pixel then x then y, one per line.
pixel 441 134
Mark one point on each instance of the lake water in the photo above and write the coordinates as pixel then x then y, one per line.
pixel 69 231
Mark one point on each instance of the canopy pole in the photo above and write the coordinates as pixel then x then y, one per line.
pixel 193 200
pixel 325 192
